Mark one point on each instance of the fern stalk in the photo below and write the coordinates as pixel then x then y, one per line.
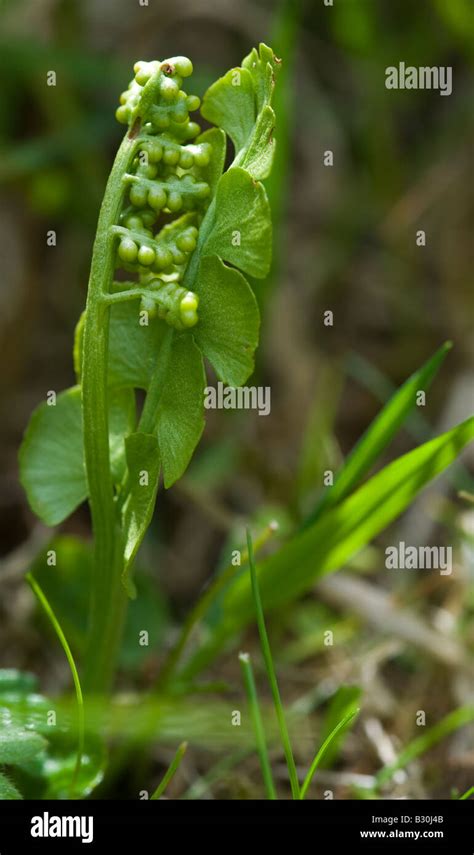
pixel 108 598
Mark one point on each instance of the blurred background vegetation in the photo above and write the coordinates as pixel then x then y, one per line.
pixel 345 241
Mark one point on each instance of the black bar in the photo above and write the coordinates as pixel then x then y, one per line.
pixel 405 826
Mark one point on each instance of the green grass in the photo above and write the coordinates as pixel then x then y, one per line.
pixel 297 792
pixel 322 751
pixel 170 772
pixel 268 659
pixel 251 689
pixel 467 794
pixel 449 724
pixel 75 676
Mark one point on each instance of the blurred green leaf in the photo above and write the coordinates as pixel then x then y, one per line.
pixel 57 766
pixel 379 434
pixel 67 586
pixel 460 717
pixel 12 680
pixel 319 447
pixel 29 158
pixel 341 532
pixel 7 791
pixel 44 768
pixel 17 745
pixel 458 18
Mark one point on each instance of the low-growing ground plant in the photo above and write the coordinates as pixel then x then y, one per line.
pixel 177 237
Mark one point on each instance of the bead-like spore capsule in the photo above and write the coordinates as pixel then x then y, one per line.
pixel 179 112
pixel 193 103
pixel 181 65
pixel 192 130
pixel 146 256
pixel 188 309
pixel 166 183
pixel 138 195
pixel 169 89
pixel 178 256
pixel 134 223
pixel 163 257
pixel 171 156
pixel 186 159
pixel 175 201
pixel 122 114
pixel 202 155
pixel 176 306
pixel 128 250
pixel 186 242
pixel 147 304
pixel 157 198
pixel 160 119
pixel 148 217
pixel 154 150
pixel 145 70
pixel 149 171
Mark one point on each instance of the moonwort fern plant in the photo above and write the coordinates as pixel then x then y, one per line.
pixel 175 238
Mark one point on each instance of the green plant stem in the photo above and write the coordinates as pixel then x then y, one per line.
pixel 171 771
pixel 251 690
pixel 202 607
pixel 125 296
pixel 75 676
pixel 108 598
pixel 267 656
pixel 324 747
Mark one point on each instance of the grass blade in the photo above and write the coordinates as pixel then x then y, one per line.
pixel 341 533
pixel 335 538
pixel 319 756
pixel 251 690
pixel 268 659
pixel 75 676
pixel 202 606
pixel 170 772
pixel 451 722
pixel 467 794
pixel 379 434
